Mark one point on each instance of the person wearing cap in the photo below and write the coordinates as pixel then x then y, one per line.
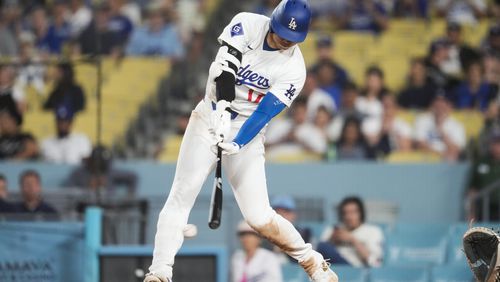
pixel 485 171
pixel 253 263
pixel 67 92
pixel 158 37
pixel 437 56
pixel 460 55
pixel 285 206
pixel 325 53
pixel 436 131
pixel 66 147
pixel 15 144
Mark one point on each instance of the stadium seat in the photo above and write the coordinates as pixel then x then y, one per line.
pixel 399 274
pixel 452 273
pixel 417 244
pixel 292 272
pixel 471 120
pixel 413 157
pixel 350 274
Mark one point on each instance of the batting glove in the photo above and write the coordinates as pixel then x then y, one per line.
pixel 229 148
pixel 220 121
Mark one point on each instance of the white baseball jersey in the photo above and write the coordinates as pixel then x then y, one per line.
pixel 280 72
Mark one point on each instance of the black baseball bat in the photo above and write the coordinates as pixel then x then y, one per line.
pixel 214 217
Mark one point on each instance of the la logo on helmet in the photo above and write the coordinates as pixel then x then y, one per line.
pixel 292 24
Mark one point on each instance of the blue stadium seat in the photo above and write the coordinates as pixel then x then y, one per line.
pixel 292 272
pixel 421 228
pixel 350 274
pixel 455 254
pixel 451 273
pixel 399 274
pixel 417 244
pixel 317 228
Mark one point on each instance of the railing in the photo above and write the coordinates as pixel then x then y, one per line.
pixel 483 199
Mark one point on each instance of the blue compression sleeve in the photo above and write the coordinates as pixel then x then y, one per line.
pixel 268 108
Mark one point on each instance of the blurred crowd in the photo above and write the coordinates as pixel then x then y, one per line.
pixel 335 119
pixel 41 41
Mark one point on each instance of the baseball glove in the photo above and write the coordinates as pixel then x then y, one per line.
pixel 481 247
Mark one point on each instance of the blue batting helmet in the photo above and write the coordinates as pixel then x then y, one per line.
pixel 290 20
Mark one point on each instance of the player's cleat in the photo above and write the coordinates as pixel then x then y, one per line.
pixel 152 277
pixel 318 269
pixel 494 271
pixel 324 274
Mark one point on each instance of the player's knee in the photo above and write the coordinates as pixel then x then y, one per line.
pixel 260 220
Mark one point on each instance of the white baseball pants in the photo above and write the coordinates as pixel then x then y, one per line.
pixel 244 171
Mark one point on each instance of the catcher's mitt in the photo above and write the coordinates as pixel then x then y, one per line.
pixel 481 247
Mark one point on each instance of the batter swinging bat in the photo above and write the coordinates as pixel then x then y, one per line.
pixel 215 213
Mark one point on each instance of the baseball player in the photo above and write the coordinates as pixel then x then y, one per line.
pixel 257 72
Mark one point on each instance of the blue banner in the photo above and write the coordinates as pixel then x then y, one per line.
pixel 41 252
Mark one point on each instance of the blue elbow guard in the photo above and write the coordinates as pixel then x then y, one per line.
pixel 268 108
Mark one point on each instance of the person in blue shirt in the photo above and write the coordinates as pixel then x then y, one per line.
pixel 364 15
pixel 118 22
pixel 156 38
pixel 325 53
pixel 473 92
pixel 50 38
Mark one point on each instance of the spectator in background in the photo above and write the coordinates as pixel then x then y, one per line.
pixel 59 31
pixel 474 92
pixel 460 55
pixel 8 44
pixel 346 110
pixel 98 38
pixel 158 37
pixel 326 77
pixel 410 9
pixel 66 91
pixel 492 43
pixel 118 22
pixel 462 11
pixel 30 72
pixel 389 133
pixel 325 53
pixel 353 241
pixel 285 206
pixel 14 144
pixel 352 144
pixel 30 185
pixel 66 147
pixel 79 17
pixel 295 135
pixel 365 16
pixel 485 171
pixel 495 11
pixel 191 19
pixel 491 66
pixel 97 174
pixel 5 207
pixel 316 97
pixel 370 101
pixel 253 263
pixel 436 131
pixel 10 96
pixel 438 54
pixel 419 91
pixel 131 10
